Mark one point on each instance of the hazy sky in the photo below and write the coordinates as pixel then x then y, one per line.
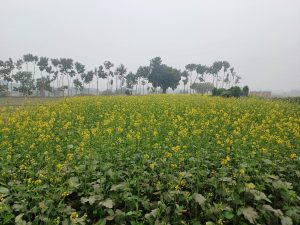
pixel 260 38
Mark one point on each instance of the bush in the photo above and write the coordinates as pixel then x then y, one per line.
pixel 231 92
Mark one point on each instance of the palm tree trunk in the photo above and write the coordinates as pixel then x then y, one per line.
pixel 190 83
pixel 223 79
pixel 97 85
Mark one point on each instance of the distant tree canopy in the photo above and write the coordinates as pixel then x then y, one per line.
pixel 202 87
pixel 163 76
pixel 156 77
pixel 26 82
pixel 231 92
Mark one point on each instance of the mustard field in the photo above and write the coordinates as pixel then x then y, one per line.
pixel 156 159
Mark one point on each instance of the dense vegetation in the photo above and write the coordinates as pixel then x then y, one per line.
pixel 61 77
pixel 151 160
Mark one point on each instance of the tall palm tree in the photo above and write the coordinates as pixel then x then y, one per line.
pixel 201 70
pixel 142 75
pixel 88 78
pixel 27 59
pixel 185 76
pixel 35 60
pixel 108 65
pixel 217 66
pixel 191 68
pixel 233 74
pixel 120 73
pixel 18 66
pixel 226 66
pixel 42 64
pixel 100 74
pixel 80 69
pixel 55 64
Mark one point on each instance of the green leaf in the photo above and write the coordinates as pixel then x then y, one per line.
pixel 4 191
pixel 117 187
pixel 91 200
pixel 199 199
pixel 108 203
pixel 101 222
pixel 250 214
pixel 258 195
pixel 19 221
pixel 73 182
pixel 277 212
pixel 228 215
pixel 153 213
pixel 286 221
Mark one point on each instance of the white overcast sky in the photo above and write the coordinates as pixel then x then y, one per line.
pixel 260 38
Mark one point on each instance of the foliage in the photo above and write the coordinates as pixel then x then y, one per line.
pixel 231 92
pixel 163 76
pixel 164 159
pixel 44 84
pixel 3 90
pixel 131 80
pixel 202 87
pixel 246 91
pixel 26 82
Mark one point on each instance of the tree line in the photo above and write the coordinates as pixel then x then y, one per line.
pixel 64 76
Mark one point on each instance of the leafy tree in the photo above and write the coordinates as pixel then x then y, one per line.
pixel 78 85
pixel 231 92
pixel 245 91
pixel 218 91
pixel 44 84
pixel 131 80
pixel 235 91
pixel 120 73
pixel 108 65
pixel 163 76
pixel 155 65
pixel 26 82
pixel 6 68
